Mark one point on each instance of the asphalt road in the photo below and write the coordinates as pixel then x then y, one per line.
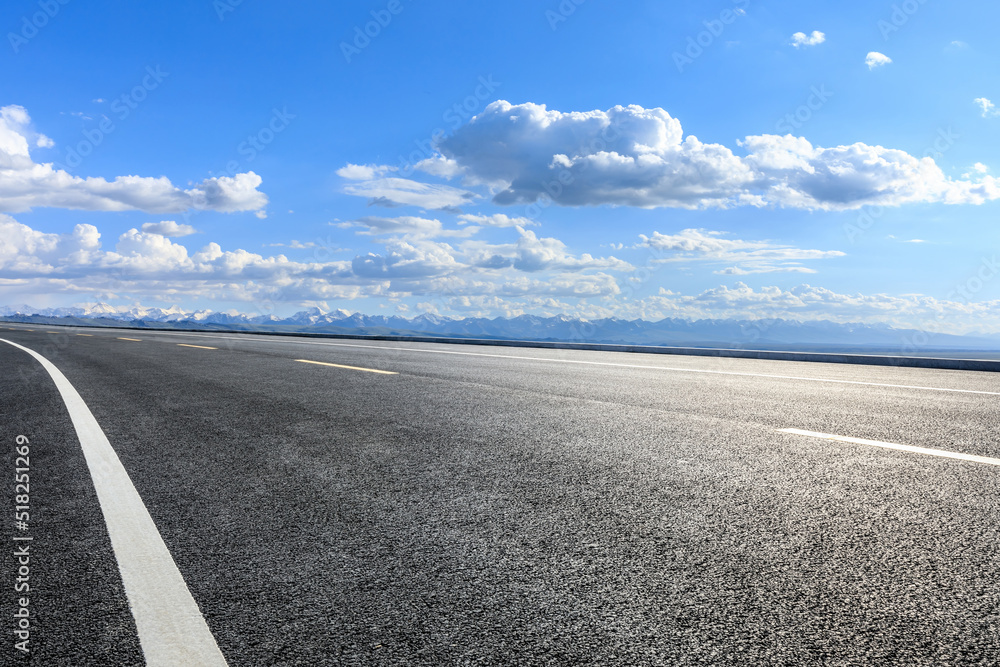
pixel 495 506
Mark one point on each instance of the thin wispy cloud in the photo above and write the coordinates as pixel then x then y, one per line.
pixel 168 228
pixel 746 257
pixel 986 108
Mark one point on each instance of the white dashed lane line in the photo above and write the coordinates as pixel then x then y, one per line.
pixel 892 445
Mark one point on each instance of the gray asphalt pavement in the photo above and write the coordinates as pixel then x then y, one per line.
pixel 495 506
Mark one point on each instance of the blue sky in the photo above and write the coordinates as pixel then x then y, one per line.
pixel 634 159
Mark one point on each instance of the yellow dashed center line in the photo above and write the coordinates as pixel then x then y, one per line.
pixel 351 368
pixel 85 335
pixel 136 340
pixel 200 347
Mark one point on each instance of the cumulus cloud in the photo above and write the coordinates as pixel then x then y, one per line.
pixel 144 263
pixel 626 155
pixel 168 228
pixel 986 107
pixel 748 257
pixel 415 263
pixel 146 266
pixel 631 156
pixel 16 132
pixel 413 258
pixel 801 39
pixel 543 254
pixel 532 254
pixel 794 173
pixel 25 184
pixel 407 259
pixel 25 252
pixel 875 59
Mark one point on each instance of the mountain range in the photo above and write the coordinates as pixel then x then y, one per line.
pixel 758 334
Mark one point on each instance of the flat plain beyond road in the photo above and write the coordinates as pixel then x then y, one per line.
pixel 483 505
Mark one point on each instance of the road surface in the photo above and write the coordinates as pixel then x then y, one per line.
pixel 497 506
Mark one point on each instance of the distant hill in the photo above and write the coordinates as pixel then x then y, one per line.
pixel 752 334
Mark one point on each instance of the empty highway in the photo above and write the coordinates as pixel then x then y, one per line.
pixel 349 502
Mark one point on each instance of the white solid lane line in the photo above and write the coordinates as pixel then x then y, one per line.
pixel 607 363
pixel 892 445
pixel 171 629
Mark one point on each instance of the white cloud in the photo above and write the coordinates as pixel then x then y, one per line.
pixel 986 107
pixel 440 166
pixel 626 155
pixel 412 227
pixel 532 254
pixel 151 267
pixel 145 264
pixel 565 285
pixel 751 268
pixel 168 228
pixel 363 172
pixel 812 39
pixel 300 245
pixel 630 156
pixel 546 254
pixel 16 132
pixel 797 174
pixel 526 289
pixel 496 220
pixel 810 303
pixel 25 252
pixel 407 259
pixel 875 59
pixel 25 184
pixel 148 264
pixel 392 192
pixel 749 256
